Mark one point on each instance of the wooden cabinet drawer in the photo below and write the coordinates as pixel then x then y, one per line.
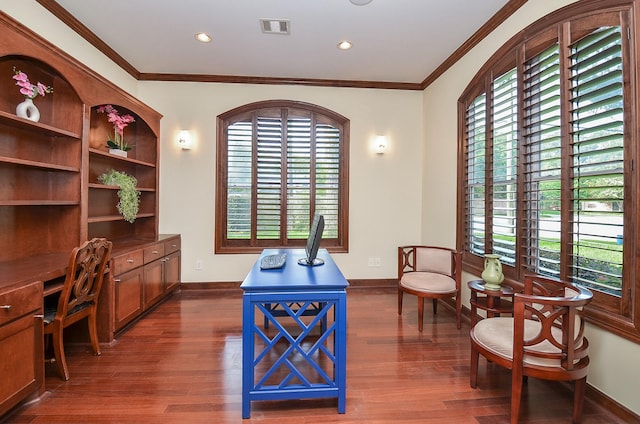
pixel 126 262
pixel 21 301
pixel 171 246
pixel 153 252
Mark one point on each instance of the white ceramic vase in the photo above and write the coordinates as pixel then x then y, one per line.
pixel 28 110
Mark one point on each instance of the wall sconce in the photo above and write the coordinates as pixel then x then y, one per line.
pixel 184 140
pixel 381 144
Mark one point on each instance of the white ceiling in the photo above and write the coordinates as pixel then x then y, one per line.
pixel 393 40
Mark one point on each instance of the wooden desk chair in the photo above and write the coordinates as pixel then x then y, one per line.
pixel 429 272
pixel 544 339
pixel 79 297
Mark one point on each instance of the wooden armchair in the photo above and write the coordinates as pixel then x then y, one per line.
pixel 544 339
pixel 79 297
pixel 429 272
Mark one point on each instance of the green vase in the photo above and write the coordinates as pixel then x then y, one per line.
pixel 492 274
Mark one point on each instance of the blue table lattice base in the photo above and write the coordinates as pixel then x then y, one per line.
pixel 294 346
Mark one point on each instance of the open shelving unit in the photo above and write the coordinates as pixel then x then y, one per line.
pixel 40 165
pixel 141 162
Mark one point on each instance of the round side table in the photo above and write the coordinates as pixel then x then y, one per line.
pixel 489 300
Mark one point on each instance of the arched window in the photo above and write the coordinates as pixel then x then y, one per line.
pixel 549 141
pixel 278 163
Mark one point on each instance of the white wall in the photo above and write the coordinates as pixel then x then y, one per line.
pixel 43 23
pixel 613 370
pixel 384 191
pixel 406 196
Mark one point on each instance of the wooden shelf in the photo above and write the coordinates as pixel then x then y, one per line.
pixel 38 164
pixel 39 202
pixel 120 158
pixel 110 187
pixel 25 124
pixel 109 218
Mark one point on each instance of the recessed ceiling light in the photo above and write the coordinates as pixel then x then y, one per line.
pixel 345 45
pixel 360 2
pixel 203 37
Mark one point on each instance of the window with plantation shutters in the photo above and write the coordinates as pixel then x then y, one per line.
pixel 476 119
pixel 548 159
pixel 280 162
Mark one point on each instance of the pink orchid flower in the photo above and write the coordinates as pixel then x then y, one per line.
pixel 26 88
pixel 119 124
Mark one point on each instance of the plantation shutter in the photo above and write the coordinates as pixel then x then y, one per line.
pixel 542 162
pixel 268 176
pixel 476 126
pixel 597 151
pixel 300 171
pixel 505 155
pixel 328 176
pixel 283 165
pixel 239 179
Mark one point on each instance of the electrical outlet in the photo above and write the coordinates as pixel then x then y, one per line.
pixel 376 262
pixel 371 262
pixel 199 265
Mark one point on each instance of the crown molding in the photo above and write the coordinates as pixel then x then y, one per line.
pixel 61 13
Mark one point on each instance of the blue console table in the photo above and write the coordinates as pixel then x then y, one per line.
pixel 294 326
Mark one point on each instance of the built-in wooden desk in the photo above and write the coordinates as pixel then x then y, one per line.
pixel 23 271
pixel 140 275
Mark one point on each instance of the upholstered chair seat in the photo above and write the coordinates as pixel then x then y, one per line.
pixel 496 336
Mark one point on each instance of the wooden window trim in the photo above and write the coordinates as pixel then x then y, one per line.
pixel 322 115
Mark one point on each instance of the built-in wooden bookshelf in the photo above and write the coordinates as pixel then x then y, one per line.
pixel 51 201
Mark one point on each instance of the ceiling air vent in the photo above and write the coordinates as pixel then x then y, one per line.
pixel 275 26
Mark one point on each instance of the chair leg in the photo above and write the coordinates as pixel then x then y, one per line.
pixel 473 373
pixel 516 393
pixel 93 332
pixel 420 312
pixel 578 398
pixel 434 301
pixel 58 351
pixel 458 311
pixel 400 293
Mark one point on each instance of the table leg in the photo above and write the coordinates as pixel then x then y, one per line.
pixel 341 351
pixel 247 354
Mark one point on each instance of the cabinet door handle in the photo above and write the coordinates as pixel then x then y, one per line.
pixel 39 316
pixel 117 280
pixel 6 307
pixel 130 261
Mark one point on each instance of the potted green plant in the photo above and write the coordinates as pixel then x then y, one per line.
pixel 128 194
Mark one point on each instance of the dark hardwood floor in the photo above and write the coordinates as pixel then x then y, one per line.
pixel 182 364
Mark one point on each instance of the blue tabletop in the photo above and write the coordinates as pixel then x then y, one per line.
pixel 294 276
